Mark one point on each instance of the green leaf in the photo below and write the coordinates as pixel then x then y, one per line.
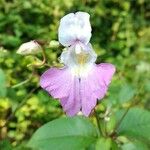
pixel 65 133
pixel 136 145
pixel 136 124
pixel 126 93
pixel 5 145
pixel 3 89
pixel 103 144
pixel 147 86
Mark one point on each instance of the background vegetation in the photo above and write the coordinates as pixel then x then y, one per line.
pixel 121 35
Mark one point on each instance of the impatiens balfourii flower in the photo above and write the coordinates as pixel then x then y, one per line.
pixel 81 82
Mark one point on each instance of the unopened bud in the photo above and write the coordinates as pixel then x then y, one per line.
pixel 107 119
pixel 54 44
pixel 31 47
pixel 3 52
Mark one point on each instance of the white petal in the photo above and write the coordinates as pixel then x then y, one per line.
pixel 64 58
pixel 79 62
pixel 92 54
pixel 78 48
pixel 74 27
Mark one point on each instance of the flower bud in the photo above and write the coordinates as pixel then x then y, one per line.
pixel 31 47
pixel 54 44
pixel 3 52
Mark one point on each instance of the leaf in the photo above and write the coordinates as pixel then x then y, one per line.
pixel 147 86
pixel 103 143
pixel 91 147
pixel 5 145
pixel 126 93
pixel 136 124
pixel 3 89
pixel 65 133
pixel 136 145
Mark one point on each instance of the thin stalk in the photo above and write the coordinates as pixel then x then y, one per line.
pixel 124 115
pixel 122 118
pixel 25 81
pixel 105 128
pixel 98 122
pixel 43 60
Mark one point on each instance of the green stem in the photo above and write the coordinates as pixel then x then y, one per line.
pixel 24 82
pixel 124 115
pixel 43 61
pixel 122 118
pixel 98 122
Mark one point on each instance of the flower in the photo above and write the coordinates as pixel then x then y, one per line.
pixel 31 47
pixel 81 82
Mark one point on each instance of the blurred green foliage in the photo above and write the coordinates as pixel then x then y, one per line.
pixel 121 36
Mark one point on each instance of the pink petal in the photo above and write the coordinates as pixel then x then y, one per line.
pixel 106 70
pixel 75 93
pixel 88 99
pixel 95 86
pixel 62 85
pixel 72 103
pixel 56 82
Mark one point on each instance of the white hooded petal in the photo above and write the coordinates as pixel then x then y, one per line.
pixel 74 27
